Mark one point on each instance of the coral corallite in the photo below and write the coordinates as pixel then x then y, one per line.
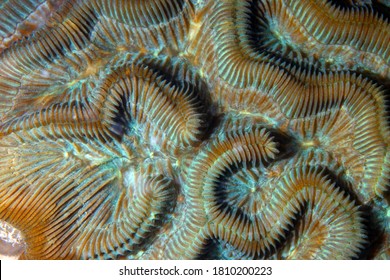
pixel 190 129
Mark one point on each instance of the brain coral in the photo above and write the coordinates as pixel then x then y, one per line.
pixel 195 129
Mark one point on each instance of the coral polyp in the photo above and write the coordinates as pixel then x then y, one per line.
pixel 188 129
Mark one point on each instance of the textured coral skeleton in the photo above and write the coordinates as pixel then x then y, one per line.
pixel 195 129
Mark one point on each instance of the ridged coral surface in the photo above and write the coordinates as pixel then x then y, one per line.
pixel 190 129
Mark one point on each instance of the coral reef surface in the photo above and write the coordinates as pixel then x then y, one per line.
pixel 194 129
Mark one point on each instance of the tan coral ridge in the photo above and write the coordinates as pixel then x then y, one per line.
pixel 194 129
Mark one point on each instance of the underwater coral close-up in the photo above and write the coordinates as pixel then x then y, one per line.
pixel 194 129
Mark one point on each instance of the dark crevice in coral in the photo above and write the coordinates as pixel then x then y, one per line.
pixel 291 233
pixel 374 232
pixel 363 5
pixel 287 146
pixel 209 251
pixel 175 72
pixel 381 9
pixel 344 4
pixel 341 184
pixel 288 59
pixel 255 31
pixel 122 120
pixel 87 18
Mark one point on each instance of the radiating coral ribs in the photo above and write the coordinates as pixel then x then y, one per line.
pixel 33 186
pixel 140 211
pixel 320 91
pixel 328 212
pixel 59 114
pixel 196 93
pixel 66 184
pixel 168 114
pixel 141 13
pixel 251 22
pixel 240 64
pixel 143 25
pixel 21 19
pixel 357 30
pixel 181 129
pixel 350 103
pixel 241 148
pixel 332 218
pixel 39 57
pixel 235 183
pixel 67 121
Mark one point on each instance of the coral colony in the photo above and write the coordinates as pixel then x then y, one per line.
pixel 189 129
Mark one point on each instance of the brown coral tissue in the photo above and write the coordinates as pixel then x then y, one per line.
pixel 194 129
